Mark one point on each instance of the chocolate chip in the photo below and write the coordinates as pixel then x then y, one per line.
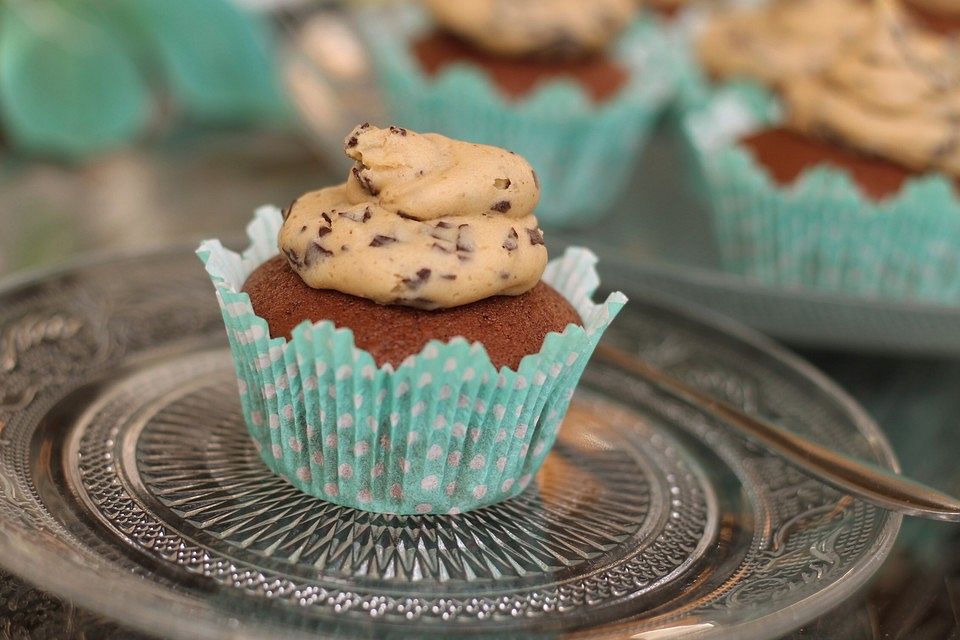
pixel 322 231
pixel 502 183
pixel 511 242
pixel 365 182
pixel 443 225
pixel 399 130
pixel 344 247
pixel 465 241
pixel 326 218
pixel 316 251
pixel 449 276
pixel 303 228
pixel 286 212
pixel 405 216
pixel 293 258
pixel 352 142
pixel 379 241
pixel 365 125
pixel 439 247
pixel 504 275
pixel 502 207
pixel 357 216
pixel 415 283
pixel 536 180
pixel 536 237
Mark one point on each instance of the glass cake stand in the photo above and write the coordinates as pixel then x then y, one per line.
pixel 129 487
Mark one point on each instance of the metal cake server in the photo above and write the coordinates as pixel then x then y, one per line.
pixel 869 482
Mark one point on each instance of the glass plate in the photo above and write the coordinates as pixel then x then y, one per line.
pixel 128 486
pixel 657 239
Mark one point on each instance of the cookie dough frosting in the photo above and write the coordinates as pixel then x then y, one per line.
pixel 550 28
pixel 422 221
pixel 895 94
pixel 780 40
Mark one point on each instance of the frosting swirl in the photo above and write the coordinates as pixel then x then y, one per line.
pixel 551 28
pixel 422 221
pixel 895 94
pixel 780 40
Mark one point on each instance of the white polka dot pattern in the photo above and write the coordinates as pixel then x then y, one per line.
pixel 446 431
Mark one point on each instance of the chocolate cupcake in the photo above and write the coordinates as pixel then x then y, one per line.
pixel 849 185
pixel 509 327
pixel 886 109
pixel 400 341
pixel 541 76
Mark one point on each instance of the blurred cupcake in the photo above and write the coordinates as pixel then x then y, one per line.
pixel 573 86
pixel 407 348
pixel 851 186
pixel 667 8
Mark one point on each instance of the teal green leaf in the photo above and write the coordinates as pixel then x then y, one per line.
pixel 218 60
pixel 67 86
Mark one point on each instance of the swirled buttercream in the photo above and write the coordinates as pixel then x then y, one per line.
pixel 551 28
pixel 780 40
pixel 422 221
pixel 894 94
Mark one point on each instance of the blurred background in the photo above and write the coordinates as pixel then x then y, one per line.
pixel 127 124
pixel 131 124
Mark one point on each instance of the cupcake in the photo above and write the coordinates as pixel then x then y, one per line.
pixel 766 45
pixel 544 77
pixel 849 184
pixel 401 343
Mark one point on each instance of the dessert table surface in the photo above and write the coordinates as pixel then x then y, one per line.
pixel 186 184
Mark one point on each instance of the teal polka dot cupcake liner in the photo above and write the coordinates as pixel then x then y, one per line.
pixel 584 154
pixel 444 432
pixel 820 232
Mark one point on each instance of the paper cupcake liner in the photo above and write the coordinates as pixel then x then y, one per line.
pixel 583 153
pixel 442 433
pixel 821 232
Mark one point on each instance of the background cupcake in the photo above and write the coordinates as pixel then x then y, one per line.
pixel 573 86
pixel 377 361
pixel 851 185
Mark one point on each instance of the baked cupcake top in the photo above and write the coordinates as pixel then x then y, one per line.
pixel 549 28
pixel 780 40
pixel 422 221
pixel 894 94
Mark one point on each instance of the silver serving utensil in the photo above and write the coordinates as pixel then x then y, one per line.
pixel 873 484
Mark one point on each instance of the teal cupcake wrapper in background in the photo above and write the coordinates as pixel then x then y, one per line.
pixel 821 232
pixel 444 432
pixel 583 153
